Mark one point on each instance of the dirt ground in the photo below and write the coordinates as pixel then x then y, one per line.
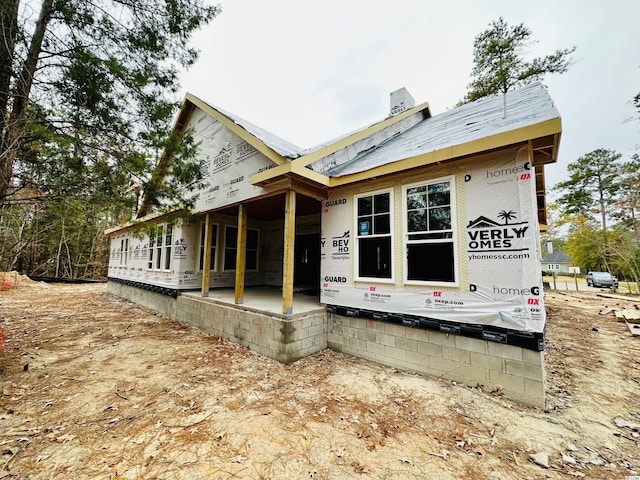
pixel 93 386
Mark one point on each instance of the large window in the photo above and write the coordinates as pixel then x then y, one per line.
pixel 214 244
pixel 374 236
pixel 231 246
pixel 429 232
pixel 160 245
pixel 124 251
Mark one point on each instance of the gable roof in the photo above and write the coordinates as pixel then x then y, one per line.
pixel 271 145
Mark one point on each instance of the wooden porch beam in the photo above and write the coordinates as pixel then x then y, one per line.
pixel 206 261
pixel 289 246
pixel 241 254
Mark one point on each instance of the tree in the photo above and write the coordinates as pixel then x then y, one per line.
pixel 602 190
pixel 593 185
pixel 629 197
pixel 97 77
pixel 585 243
pixel 499 64
pixel 86 99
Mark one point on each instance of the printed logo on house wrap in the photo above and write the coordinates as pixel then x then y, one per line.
pixel 340 246
pixel 491 240
pixel 333 203
pixel 375 297
pixel 434 301
pixel 180 249
pixel 507 174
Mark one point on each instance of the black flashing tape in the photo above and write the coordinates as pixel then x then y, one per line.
pixel 170 292
pixel 411 322
pixel 448 328
pixel 495 337
pixel 530 340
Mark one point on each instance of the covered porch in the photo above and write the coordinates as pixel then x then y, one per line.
pixel 295 205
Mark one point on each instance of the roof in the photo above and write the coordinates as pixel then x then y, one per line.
pixel 482 119
pixel 281 146
pixel 556 257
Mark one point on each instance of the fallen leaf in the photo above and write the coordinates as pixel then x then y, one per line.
pixel 479 450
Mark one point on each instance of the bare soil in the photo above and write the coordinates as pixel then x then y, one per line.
pixel 93 386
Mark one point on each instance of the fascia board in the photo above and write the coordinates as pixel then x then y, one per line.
pixel 139 221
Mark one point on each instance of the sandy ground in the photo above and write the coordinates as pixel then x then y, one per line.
pixel 92 386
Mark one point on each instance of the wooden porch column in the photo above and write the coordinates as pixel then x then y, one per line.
pixel 206 261
pixel 241 254
pixel 289 245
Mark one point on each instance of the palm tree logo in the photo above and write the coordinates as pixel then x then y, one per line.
pixel 506 216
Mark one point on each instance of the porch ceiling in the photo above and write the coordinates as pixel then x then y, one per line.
pixel 272 207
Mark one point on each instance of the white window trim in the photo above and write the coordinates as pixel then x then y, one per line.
pixel 201 248
pixel 124 252
pixel 160 249
pixel 224 250
pixel 454 232
pixel 356 237
pixel 167 249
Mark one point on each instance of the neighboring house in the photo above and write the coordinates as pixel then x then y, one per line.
pixel 420 232
pixel 557 263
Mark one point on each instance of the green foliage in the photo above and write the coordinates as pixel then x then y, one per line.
pixel 499 64
pixel 602 189
pixel 593 184
pixel 586 244
pixel 97 119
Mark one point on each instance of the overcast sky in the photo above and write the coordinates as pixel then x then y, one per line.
pixel 310 71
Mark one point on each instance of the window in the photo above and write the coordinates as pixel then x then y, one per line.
pixel 152 238
pixel 231 245
pixel 168 243
pixel 373 237
pixel 159 241
pixel 124 251
pixel 429 229
pixel 160 244
pixel 214 244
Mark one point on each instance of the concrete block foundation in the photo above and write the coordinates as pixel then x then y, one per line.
pixel 517 372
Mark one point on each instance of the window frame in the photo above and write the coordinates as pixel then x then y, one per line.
pixel 235 247
pixel 167 246
pixel 124 252
pixel 453 238
pixel 214 248
pixel 160 254
pixel 151 248
pixel 357 237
